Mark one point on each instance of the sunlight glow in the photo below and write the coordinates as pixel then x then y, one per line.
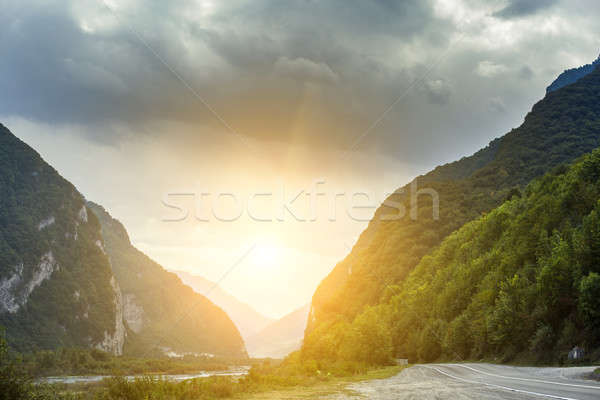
pixel 266 255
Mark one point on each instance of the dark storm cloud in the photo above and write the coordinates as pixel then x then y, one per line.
pixel 55 70
pixel 522 8
pixel 304 71
pixel 381 17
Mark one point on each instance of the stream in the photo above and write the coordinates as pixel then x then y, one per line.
pixel 238 371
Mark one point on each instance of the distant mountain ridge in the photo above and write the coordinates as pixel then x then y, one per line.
pixel 247 319
pixel 264 337
pixel 281 337
pixel 572 75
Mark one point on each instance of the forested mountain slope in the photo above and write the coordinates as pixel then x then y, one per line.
pixel 160 312
pixel 56 284
pixel 521 282
pixel 560 128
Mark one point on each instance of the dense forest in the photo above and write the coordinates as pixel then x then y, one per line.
pixel 521 282
pixel 560 128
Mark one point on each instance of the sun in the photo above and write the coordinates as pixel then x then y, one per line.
pixel 266 255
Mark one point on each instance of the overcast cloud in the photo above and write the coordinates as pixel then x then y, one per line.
pixel 267 67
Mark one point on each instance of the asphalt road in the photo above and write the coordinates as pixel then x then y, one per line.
pixel 480 381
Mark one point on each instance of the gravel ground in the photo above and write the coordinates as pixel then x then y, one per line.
pixel 427 382
pixel 420 383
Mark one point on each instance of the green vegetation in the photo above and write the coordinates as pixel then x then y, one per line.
pixel 560 128
pixel 168 314
pixel 13 383
pixel 16 384
pixel 71 361
pixel 293 377
pixel 262 383
pixel 519 283
pixel 74 308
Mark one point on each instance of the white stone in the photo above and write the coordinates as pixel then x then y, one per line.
pixel 41 273
pixel 46 223
pixel 100 246
pixel 83 216
pixel 133 313
pixel 11 298
pixel 114 343
pixel 8 299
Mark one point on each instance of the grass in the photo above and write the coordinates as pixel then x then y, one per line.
pixel 255 386
pixel 71 361
pixel 318 389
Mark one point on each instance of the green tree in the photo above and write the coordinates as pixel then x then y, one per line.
pixel 430 343
pixel 369 339
pixel 589 301
pixel 458 340
pixel 555 280
pixel 507 322
pixel 14 384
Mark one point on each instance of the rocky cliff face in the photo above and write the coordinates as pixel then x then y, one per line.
pixel 133 313
pixel 113 343
pixel 56 283
pixel 15 291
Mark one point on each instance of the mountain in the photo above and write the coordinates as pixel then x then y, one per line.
pixel 281 337
pixel 572 75
pixel 69 276
pixel 521 281
pixel 56 283
pixel 159 310
pixel 247 319
pixel 560 128
pixel 263 336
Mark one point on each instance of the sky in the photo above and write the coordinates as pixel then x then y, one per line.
pixel 196 123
